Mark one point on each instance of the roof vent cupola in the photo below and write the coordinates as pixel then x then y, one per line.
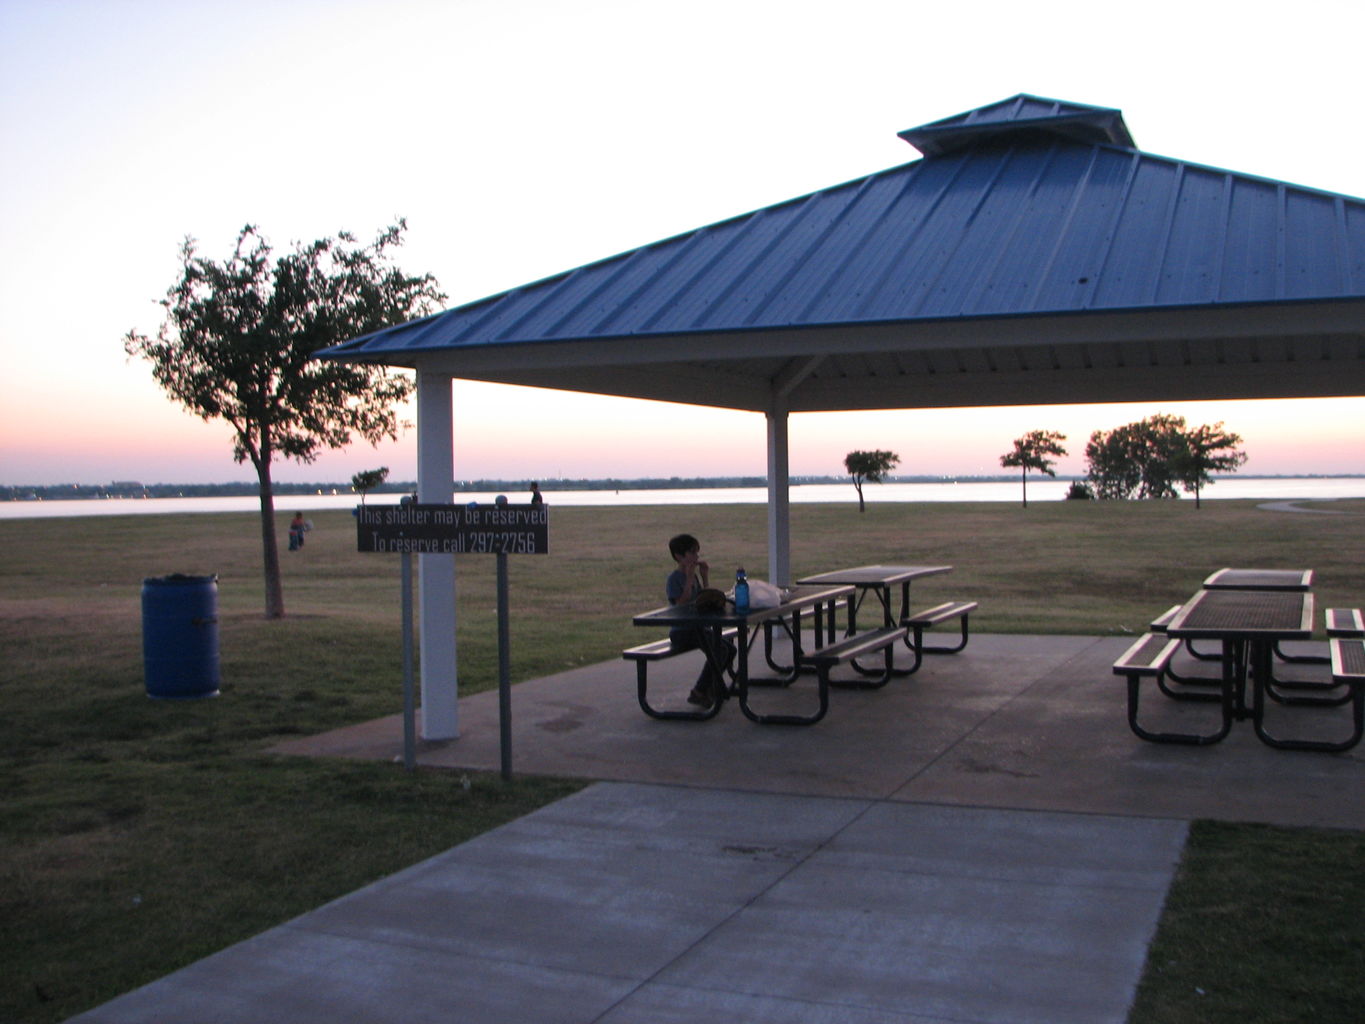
pixel 1021 116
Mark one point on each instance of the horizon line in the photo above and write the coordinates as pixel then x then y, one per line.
pixel 7 491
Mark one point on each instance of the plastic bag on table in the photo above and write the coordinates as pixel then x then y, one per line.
pixel 763 594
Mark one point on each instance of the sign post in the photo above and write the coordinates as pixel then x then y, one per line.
pixel 500 529
pixel 409 702
pixel 504 673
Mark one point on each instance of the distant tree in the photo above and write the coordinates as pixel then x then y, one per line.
pixel 1163 438
pixel 1113 459
pixel 1031 452
pixel 869 466
pixel 1206 450
pixel 1152 457
pixel 237 341
pixel 368 480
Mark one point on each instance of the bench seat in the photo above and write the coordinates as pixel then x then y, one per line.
pixel 853 647
pixel 822 659
pixel 658 650
pixel 920 621
pixel 1159 624
pixel 1347 658
pixel 1148 658
pixel 1345 622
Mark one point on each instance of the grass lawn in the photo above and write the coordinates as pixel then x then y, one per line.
pixel 137 835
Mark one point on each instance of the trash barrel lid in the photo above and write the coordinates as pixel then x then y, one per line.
pixel 178 579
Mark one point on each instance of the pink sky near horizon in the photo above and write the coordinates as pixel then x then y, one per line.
pixel 522 433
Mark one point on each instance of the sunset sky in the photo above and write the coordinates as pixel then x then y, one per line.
pixel 521 139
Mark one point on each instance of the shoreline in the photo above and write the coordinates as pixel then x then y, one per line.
pixel 1279 492
pixel 134 491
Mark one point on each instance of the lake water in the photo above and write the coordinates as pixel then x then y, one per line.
pixel 1039 490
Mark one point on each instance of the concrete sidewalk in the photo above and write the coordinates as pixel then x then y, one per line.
pixel 984 841
pixel 643 903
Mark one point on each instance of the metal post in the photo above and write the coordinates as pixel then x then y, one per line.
pixel 409 709
pixel 504 672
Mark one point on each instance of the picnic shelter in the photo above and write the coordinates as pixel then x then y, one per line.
pixel 1033 255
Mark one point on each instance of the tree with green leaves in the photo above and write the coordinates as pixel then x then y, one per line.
pixel 1114 463
pixel 868 466
pixel 1154 456
pixel 237 343
pixel 1135 460
pixel 1206 450
pixel 367 480
pixel 1032 451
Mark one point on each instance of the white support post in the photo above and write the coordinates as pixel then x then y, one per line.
pixel 779 504
pixel 436 486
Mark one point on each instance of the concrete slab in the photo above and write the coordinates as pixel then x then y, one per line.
pixel 1034 722
pixel 630 902
pixel 886 918
pixel 635 883
pixel 1064 744
pixel 310 977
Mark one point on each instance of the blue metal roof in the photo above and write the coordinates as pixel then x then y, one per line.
pixel 1025 208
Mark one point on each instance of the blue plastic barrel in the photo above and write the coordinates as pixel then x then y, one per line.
pixel 180 636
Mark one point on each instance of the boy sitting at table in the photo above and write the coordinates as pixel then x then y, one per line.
pixel 684 583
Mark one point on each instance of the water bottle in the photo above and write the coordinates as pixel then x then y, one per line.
pixel 741 592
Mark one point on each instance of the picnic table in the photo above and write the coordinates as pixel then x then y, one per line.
pixel 880 580
pixel 1244 579
pixel 817 602
pixel 1266 579
pixel 1249 624
pixel 1250 612
pixel 877 579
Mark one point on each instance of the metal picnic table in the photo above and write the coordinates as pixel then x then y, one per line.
pixel 877 579
pixel 1249 624
pixel 819 601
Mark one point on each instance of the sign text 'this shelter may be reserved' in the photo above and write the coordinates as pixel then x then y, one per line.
pixel 454 529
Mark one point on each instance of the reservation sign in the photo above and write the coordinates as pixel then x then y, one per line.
pixel 454 529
